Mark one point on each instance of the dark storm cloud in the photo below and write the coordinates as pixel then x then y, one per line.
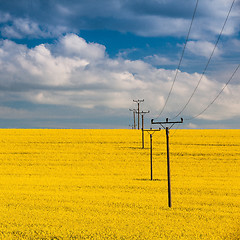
pixel 181 9
pixel 50 18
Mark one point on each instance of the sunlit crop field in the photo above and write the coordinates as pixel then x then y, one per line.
pixel 94 184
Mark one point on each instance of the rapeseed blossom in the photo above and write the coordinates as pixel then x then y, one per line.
pixel 95 184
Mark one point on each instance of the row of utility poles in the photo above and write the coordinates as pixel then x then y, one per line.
pixel 165 125
pixel 138 113
pixel 142 113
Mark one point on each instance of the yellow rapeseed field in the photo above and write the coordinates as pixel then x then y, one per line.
pixel 94 184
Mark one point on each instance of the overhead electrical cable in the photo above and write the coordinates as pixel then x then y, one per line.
pixel 216 96
pixel 180 61
pixel 203 73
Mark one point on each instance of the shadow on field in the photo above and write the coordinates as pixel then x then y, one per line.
pixel 147 179
pixel 135 148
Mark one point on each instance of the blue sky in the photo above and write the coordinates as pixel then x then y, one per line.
pixel 79 64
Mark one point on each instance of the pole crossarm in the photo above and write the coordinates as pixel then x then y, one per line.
pixel 152 131
pixel 142 112
pixel 138 101
pixel 166 122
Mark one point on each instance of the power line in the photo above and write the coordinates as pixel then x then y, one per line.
pixel 203 73
pixel 175 130
pixel 180 61
pixel 216 96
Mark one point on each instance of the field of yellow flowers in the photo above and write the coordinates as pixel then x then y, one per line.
pixel 94 184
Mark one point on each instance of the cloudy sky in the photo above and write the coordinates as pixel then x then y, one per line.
pixel 80 64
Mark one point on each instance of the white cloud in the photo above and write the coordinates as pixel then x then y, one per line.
pixel 235 43
pixel 22 27
pixel 4 17
pixel 74 46
pixel 202 48
pixel 64 74
pixel 158 60
pixel 192 126
pixel 25 27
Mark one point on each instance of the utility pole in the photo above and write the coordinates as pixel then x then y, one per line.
pixel 168 156
pixel 134 118
pixel 142 113
pixel 138 109
pixel 151 132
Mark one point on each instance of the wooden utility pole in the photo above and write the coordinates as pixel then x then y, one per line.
pixel 138 109
pixel 168 156
pixel 142 113
pixel 168 170
pixel 134 117
pixel 151 163
pixel 151 132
